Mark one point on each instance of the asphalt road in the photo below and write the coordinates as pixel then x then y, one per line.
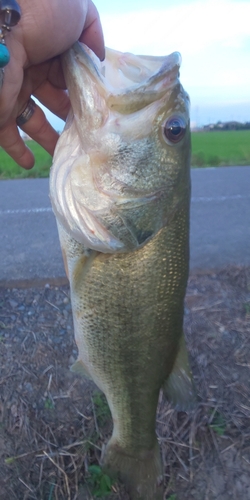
pixel 220 226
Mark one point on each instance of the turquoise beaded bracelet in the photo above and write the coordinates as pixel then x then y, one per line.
pixel 10 14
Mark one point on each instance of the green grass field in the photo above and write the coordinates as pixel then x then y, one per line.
pixel 223 148
pixel 10 170
pixel 209 149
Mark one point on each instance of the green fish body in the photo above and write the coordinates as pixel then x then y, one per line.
pixel 120 190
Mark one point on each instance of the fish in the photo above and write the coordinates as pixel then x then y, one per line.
pixel 120 191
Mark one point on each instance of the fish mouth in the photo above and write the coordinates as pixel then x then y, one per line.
pixel 96 191
pixel 141 72
pixel 128 82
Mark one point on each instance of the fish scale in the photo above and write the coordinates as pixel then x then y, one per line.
pixel 128 299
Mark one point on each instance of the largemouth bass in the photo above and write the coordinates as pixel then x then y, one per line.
pixel 120 190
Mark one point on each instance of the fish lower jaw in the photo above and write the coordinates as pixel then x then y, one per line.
pixel 140 472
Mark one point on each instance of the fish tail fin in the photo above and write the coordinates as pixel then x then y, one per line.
pixel 141 474
pixel 179 387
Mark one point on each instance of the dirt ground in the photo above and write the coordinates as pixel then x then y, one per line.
pixel 53 424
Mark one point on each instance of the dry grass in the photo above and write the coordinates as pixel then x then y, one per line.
pixel 53 424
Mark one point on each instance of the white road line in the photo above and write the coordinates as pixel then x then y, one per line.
pixel 219 198
pixel 25 211
pixel 195 199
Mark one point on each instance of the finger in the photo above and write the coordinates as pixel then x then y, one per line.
pixel 12 82
pixel 14 145
pixel 92 34
pixel 41 131
pixel 56 100
pixel 55 26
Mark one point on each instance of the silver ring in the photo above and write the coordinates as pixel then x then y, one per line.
pixel 27 113
pixel 1 77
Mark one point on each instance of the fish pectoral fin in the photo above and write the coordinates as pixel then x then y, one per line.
pixel 179 387
pixel 80 367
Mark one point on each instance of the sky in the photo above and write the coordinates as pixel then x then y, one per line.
pixel 213 37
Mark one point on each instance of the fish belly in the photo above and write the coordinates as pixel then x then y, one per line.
pixel 128 315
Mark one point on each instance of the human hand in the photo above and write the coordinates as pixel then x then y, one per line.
pixel 46 29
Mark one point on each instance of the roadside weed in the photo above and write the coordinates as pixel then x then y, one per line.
pixel 102 410
pixel 247 308
pixel 49 404
pixel 99 482
pixel 218 423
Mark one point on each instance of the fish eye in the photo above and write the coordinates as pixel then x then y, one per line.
pixel 174 129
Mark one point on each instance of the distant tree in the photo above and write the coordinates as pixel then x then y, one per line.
pixel 232 125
